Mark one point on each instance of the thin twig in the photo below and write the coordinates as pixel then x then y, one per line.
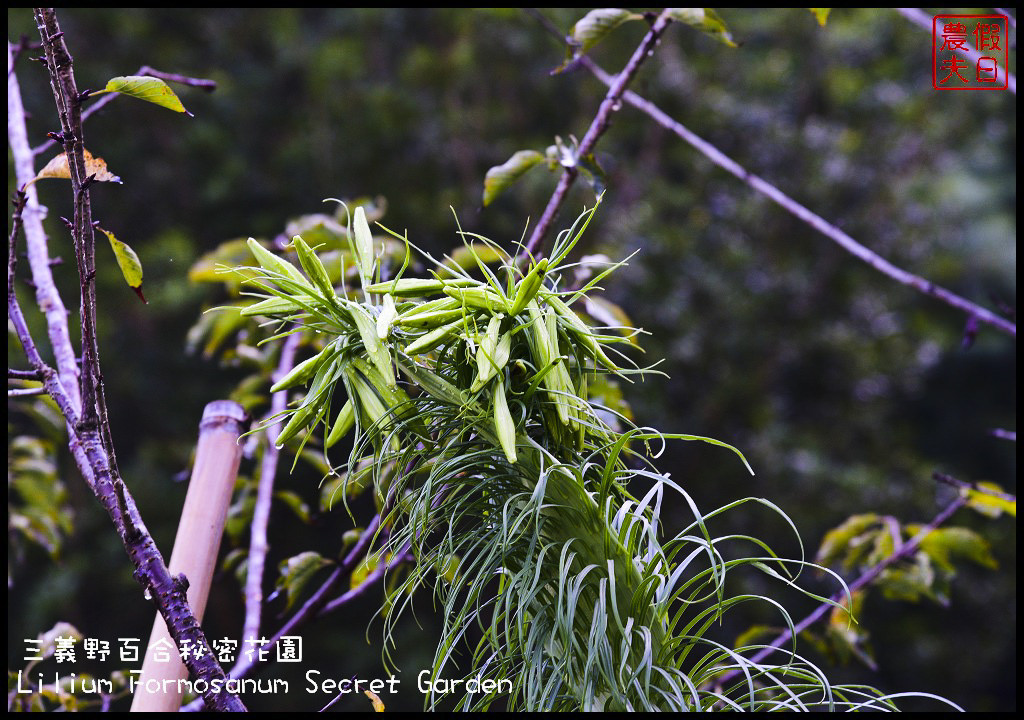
pixel 906 550
pixel 201 83
pixel 22 374
pixel 258 545
pixel 601 123
pixel 25 392
pixel 925 21
pixel 378 572
pixel 349 595
pixel 964 485
pixel 816 221
pixel 16 50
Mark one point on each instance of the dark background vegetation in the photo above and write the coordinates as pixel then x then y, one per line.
pixel 845 390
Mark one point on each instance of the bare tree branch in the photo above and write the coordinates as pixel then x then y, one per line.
pixel 26 392
pixel 22 374
pixel 601 123
pixel 816 221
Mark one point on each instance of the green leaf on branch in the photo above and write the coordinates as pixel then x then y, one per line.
pixel 500 177
pixel 838 539
pixel 146 88
pixel 37 506
pixel 129 263
pixel 597 24
pixel 297 571
pixel 909 582
pixel 363 570
pixel 943 544
pixel 295 503
pixel 706 20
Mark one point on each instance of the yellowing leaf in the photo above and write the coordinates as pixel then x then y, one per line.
pixel 378 704
pixel 943 544
pixel 838 539
pixel 363 570
pixel 129 263
pixel 146 88
pixel 990 499
pixel 58 168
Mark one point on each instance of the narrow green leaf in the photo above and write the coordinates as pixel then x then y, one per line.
pixel 363 246
pixel 129 263
pixel 146 88
pixel 500 177
pixel 597 24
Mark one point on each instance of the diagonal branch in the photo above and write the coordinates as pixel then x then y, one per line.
pixel 904 551
pixel 314 606
pixel 924 20
pixel 88 428
pixel 601 123
pixel 816 221
pixel 168 592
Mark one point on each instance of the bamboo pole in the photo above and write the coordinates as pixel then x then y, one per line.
pixel 195 548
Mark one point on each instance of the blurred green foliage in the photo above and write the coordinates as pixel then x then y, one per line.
pixel 845 390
